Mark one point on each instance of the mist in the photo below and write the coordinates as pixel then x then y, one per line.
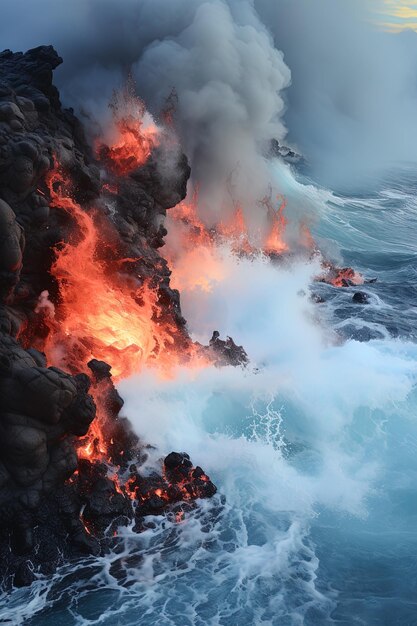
pixel 352 104
pixel 245 72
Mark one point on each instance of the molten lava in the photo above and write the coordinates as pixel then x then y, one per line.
pixel 344 277
pixel 134 133
pixel 193 258
pixel 196 254
pixel 275 243
pixel 236 232
pixel 102 313
pixel 194 232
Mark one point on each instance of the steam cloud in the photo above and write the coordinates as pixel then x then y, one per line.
pixel 351 103
pixel 352 106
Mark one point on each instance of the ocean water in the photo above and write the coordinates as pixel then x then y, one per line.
pixel 313 447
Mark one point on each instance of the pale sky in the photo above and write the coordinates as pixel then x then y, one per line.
pixel 398 15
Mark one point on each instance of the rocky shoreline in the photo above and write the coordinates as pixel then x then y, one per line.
pixel 54 504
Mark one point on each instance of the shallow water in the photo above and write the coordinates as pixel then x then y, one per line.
pixel 313 448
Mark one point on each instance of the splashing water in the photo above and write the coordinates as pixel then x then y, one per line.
pixel 313 448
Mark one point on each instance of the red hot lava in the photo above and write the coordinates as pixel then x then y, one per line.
pixel 134 133
pixel 103 313
pixel 275 243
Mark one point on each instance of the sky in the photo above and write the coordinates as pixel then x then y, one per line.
pixel 397 15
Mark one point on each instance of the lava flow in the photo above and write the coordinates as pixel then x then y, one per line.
pixel 340 277
pixel 102 314
pixel 197 255
pixel 191 251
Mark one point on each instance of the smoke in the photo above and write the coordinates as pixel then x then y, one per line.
pixel 352 102
pixel 221 62
pixel 216 54
pixel 348 102
pixel 229 79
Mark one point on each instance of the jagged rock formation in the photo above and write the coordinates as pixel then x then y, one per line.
pixel 43 410
pixel 284 153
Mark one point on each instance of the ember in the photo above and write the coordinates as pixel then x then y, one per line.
pixel 344 277
pixel 181 481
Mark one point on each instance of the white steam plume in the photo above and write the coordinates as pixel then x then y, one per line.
pixel 353 99
pixel 351 104
pixel 216 54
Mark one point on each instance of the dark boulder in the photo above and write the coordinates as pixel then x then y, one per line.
pixel 360 297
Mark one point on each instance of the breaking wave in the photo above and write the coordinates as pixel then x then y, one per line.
pixel 312 447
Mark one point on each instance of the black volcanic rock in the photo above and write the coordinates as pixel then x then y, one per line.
pixel 54 505
pixel 360 297
pixel 226 352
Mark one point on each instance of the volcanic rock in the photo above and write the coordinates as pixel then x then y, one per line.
pixel 360 297
pixel 226 352
pixel 54 504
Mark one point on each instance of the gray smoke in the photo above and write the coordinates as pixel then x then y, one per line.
pixel 229 79
pixel 351 107
pixel 216 54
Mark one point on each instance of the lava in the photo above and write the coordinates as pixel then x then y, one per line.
pixel 134 133
pixel 193 257
pixel 275 243
pixel 196 253
pixel 195 232
pixel 181 481
pixel 340 277
pixel 236 232
pixel 102 313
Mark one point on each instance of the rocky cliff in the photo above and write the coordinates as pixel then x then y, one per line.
pixel 54 505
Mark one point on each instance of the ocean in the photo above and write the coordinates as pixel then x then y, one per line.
pixel 313 447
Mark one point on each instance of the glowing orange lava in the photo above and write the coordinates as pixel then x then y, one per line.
pixel 275 243
pixel 196 254
pixel 134 133
pixel 236 231
pixel 193 258
pixel 103 313
pixel 344 277
pixel 194 231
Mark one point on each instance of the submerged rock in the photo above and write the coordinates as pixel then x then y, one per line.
pixel 360 297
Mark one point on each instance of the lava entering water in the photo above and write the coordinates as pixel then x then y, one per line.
pixel 275 243
pixel 195 252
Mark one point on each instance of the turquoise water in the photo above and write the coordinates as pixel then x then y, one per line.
pixel 313 449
